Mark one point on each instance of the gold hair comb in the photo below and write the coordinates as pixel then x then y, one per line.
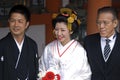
pixel 72 16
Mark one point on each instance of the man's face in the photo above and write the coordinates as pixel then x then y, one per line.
pixel 17 24
pixel 106 24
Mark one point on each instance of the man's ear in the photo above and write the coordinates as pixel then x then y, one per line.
pixel 116 23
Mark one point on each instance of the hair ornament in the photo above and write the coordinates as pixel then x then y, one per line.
pixel 54 15
pixel 79 22
pixel 70 21
pixel 72 16
pixel 66 11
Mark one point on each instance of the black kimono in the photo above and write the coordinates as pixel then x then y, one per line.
pixel 15 65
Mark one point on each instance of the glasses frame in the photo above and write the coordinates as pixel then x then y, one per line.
pixel 105 22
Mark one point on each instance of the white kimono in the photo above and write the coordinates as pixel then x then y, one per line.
pixel 70 61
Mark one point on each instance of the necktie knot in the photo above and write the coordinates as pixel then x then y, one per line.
pixel 107 41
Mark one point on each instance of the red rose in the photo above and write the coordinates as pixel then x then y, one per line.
pixel 58 76
pixel 50 75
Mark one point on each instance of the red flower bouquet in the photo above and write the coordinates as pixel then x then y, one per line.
pixel 51 76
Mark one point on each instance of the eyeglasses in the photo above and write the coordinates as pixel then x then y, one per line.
pixel 103 22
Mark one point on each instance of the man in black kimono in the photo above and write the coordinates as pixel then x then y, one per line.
pixel 18 52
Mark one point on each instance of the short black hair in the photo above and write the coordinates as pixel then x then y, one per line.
pixel 22 10
pixel 109 9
